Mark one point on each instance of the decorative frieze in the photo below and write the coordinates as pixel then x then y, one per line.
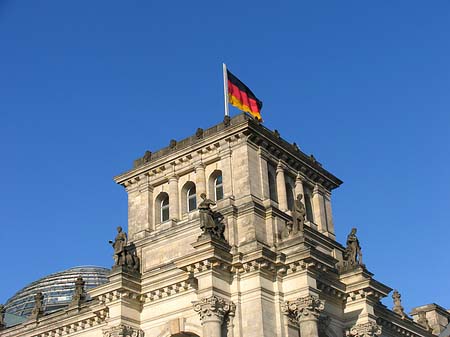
pixel 368 329
pixel 214 307
pixel 303 308
pixel 123 330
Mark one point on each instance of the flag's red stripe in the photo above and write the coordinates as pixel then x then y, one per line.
pixel 242 97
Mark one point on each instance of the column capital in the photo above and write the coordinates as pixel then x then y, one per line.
pixel 300 177
pixel 199 166
pixel 214 308
pixel 304 308
pixel 173 178
pixel 281 166
pixel 122 330
pixel 368 329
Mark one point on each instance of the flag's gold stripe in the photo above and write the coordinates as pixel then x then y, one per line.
pixel 238 104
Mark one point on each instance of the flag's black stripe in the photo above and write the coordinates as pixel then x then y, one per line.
pixel 234 80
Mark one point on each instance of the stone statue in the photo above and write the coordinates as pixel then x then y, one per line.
pixel 131 258
pixel 226 121
pixel 2 317
pixel 119 247
pixel 298 219
pixel 288 230
pixel 38 309
pixel 125 254
pixel 298 214
pixel 79 296
pixel 398 309
pixel 210 221
pixel 199 133
pixel 147 156
pixel 353 253
pixel 423 321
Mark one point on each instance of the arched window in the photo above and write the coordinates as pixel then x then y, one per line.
pixel 188 197
pixel 290 196
pixel 191 199
pixel 215 185
pixel 218 188
pixel 164 216
pixel 272 187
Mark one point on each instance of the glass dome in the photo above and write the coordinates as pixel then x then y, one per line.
pixel 57 289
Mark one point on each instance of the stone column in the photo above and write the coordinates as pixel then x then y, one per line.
pixel 200 180
pixel 299 186
pixel 319 209
pixel 305 311
pixel 281 187
pixel 174 206
pixel 227 170
pixel 213 311
pixel 369 329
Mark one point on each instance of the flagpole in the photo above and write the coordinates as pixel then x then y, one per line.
pixel 225 89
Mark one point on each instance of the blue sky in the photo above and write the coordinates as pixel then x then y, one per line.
pixel 87 86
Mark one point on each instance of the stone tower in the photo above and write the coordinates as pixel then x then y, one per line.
pixel 257 258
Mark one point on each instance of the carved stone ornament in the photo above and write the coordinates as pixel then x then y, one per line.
pixel 398 309
pixel 123 331
pixel 214 307
pixel 226 121
pixel 303 308
pixel 368 329
pixel 199 133
pixel 423 321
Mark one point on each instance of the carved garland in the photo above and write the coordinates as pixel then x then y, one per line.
pixel 123 330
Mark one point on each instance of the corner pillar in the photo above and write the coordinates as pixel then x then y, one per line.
pixel 281 187
pixel 213 312
pixel 174 207
pixel 305 311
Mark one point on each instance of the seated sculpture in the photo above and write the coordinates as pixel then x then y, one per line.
pixel 210 221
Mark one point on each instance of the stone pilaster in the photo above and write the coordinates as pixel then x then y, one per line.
pixel 122 330
pixel 263 155
pixel 305 312
pixel 281 187
pixel 299 186
pixel 174 207
pixel 213 312
pixel 227 170
pixel 368 329
pixel 319 209
pixel 200 179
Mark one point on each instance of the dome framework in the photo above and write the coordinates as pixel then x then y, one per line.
pixel 57 289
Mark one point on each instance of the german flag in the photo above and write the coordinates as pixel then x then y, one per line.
pixel 240 96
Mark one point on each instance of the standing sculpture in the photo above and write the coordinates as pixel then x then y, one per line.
pixel 119 247
pixel 210 221
pixel 352 253
pixel 298 219
pixel 38 309
pixel 124 254
pixel 79 296
pixel 2 317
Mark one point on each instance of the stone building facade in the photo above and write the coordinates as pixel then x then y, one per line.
pixel 276 271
